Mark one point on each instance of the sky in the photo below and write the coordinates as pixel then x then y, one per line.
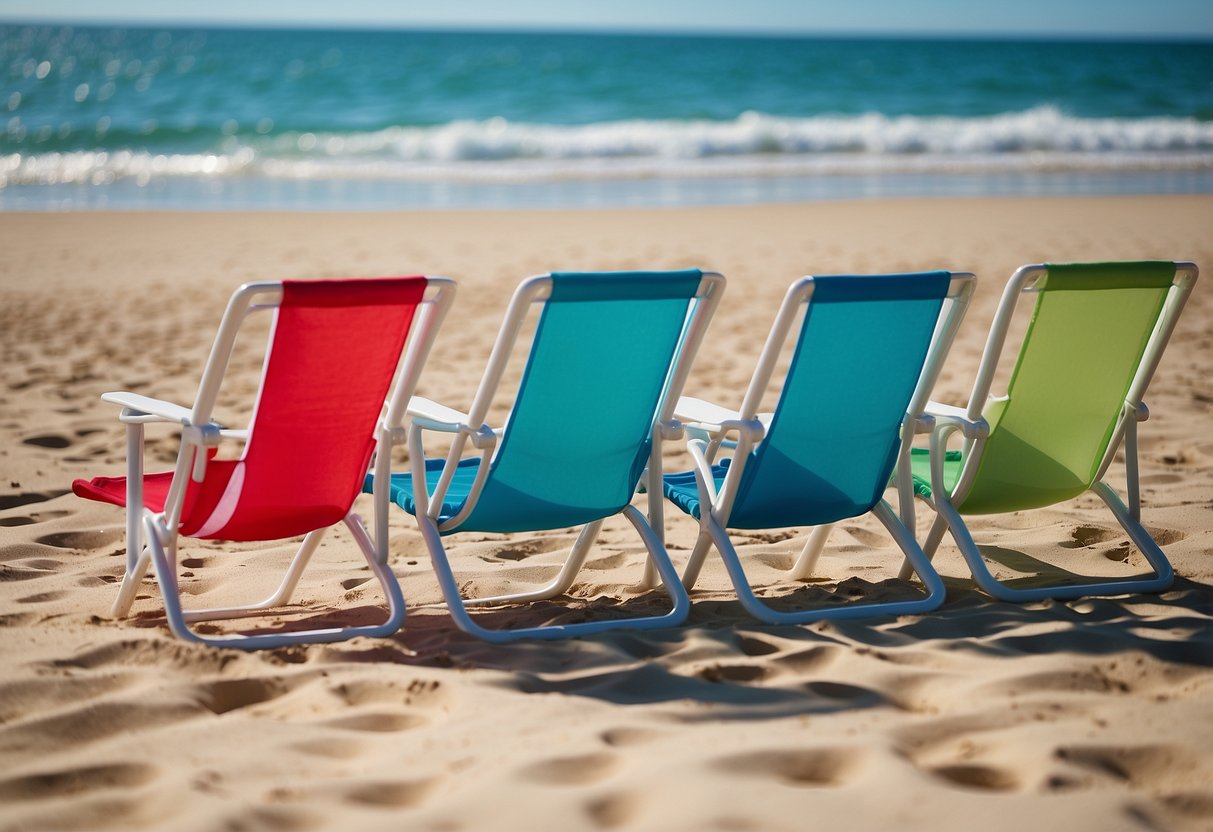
pixel 1095 18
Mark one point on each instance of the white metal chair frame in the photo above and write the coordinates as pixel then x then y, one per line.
pixel 970 423
pixel 471 428
pixel 151 537
pixel 712 427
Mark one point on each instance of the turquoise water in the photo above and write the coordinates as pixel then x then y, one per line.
pixel 97 117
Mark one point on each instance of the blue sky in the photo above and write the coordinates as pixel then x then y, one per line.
pixel 1100 18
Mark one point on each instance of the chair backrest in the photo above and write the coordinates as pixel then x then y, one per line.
pixel 333 351
pixel 599 374
pixel 1066 398
pixel 858 359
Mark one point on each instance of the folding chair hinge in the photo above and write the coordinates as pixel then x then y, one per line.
pixel 670 429
pixel 1140 412
pixel 483 438
pixel 752 428
pixel 396 435
pixel 201 436
pixel 205 436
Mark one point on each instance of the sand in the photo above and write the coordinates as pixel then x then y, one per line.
pixel 1092 714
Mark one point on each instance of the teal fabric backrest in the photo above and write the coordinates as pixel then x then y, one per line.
pixel 832 445
pixel 579 435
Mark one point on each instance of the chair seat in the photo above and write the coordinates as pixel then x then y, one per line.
pixel 920 466
pixel 682 490
pixel 112 490
pixel 401 488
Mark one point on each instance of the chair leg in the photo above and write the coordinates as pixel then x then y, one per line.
pixel 901 535
pixel 1162 578
pixel 690 573
pixel 934 537
pixel 164 562
pixel 807 562
pixel 458 608
pixel 131 580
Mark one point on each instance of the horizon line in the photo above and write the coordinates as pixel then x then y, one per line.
pixel 608 31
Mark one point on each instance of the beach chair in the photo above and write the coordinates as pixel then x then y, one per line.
pixel 608 358
pixel 864 356
pixel 1096 335
pixel 334 348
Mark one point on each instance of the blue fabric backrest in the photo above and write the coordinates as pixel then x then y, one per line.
pixel 831 448
pixel 579 435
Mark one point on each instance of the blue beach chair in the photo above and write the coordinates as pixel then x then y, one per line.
pixel 865 356
pixel 608 359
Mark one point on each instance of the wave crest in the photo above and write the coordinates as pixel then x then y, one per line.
pixel 752 144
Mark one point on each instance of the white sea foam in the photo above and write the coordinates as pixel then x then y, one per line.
pixel 754 144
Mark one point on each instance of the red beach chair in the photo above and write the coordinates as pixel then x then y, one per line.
pixel 334 348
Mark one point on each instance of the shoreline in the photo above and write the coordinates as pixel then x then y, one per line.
pixel 607 193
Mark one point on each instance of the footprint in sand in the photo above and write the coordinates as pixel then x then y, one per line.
pixel 331 748
pixel 87 540
pixel 572 771
pixel 224 695
pixel 1085 536
pixel 774 560
pixel 75 781
pixel 810 767
pixel 393 794
pixel 1165 537
pixel 384 722
pixel 42 597
pixel 520 549
pixel 733 673
pixel 809 659
pixel 30 519
pixel 751 646
pixel 866 537
pixel 54 441
pixel 28 498
pixel 840 691
pixel 972 776
pixel 613 810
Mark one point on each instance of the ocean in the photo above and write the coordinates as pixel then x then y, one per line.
pixel 130 118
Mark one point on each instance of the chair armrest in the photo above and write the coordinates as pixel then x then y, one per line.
pixel 706 416
pixel 138 409
pixel 950 416
pixel 430 415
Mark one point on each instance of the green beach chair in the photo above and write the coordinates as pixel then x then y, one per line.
pixel 608 359
pixel 1096 335
pixel 865 356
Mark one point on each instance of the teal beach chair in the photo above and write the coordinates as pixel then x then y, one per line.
pixel 1097 333
pixel 608 359
pixel 865 356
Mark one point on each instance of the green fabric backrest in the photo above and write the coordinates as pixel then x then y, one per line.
pixel 833 442
pixel 1086 338
pixel 579 435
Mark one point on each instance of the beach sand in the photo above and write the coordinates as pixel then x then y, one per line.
pixel 1092 714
